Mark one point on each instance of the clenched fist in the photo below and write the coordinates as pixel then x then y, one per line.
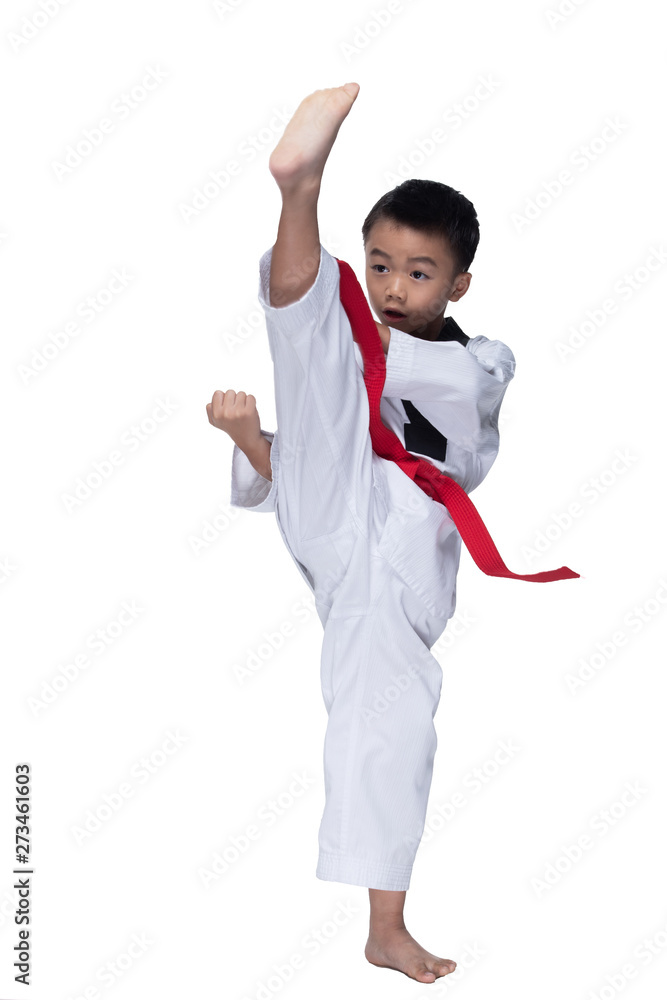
pixel 236 414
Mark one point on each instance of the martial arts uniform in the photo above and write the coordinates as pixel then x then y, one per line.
pixel 379 555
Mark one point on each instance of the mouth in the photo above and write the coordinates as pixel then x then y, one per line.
pixel 393 314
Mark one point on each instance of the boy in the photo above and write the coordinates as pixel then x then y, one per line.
pixel 379 554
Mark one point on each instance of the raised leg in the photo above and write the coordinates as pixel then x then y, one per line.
pixel 323 443
pixel 297 164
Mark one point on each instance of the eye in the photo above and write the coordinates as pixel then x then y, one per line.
pixel 373 266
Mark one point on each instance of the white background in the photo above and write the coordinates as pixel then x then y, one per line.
pixel 209 583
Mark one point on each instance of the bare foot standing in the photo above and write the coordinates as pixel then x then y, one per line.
pixel 391 946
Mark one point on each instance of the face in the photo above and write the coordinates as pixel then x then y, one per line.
pixel 417 288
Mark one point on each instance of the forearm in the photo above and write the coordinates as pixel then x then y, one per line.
pixel 259 456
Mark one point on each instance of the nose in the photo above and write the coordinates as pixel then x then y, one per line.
pixel 395 288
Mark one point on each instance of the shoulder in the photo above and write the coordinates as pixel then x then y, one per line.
pixel 493 354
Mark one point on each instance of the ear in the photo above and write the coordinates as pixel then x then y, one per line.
pixel 461 286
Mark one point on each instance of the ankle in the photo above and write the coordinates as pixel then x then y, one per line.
pixel 299 192
pixel 382 926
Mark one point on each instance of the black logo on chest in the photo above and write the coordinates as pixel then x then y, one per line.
pixel 420 434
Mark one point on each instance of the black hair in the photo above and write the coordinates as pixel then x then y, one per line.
pixel 433 208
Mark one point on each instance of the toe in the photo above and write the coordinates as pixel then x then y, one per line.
pixel 441 966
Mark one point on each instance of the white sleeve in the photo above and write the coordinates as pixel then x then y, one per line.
pixel 458 389
pixel 250 489
pixel 300 319
pixel 297 321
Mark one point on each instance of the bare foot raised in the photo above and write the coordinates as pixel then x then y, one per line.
pixel 309 135
pixel 395 948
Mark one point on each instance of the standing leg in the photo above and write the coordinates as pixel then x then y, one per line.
pixel 382 688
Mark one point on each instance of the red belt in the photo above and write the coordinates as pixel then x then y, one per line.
pixel 386 444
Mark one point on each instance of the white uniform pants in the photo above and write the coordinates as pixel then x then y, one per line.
pixel 381 684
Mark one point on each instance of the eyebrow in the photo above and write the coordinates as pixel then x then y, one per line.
pixel 420 260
